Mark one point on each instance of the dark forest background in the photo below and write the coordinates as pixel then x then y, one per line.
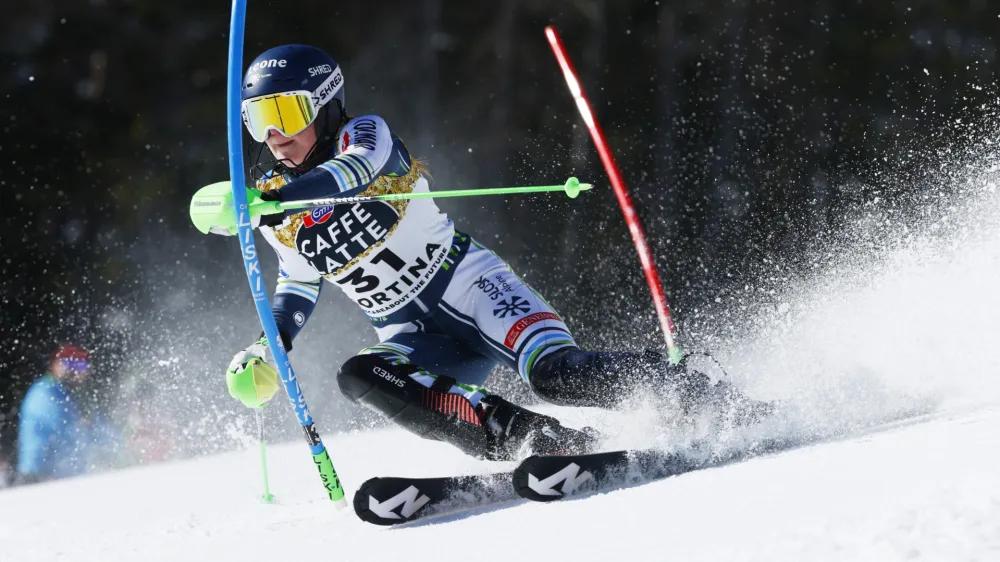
pixel 746 129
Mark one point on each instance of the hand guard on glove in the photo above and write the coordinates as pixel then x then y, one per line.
pixel 249 378
pixel 212 209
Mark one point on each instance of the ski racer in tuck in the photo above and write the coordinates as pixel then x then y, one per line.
pixel 445 308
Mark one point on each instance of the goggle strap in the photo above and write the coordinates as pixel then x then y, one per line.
pixel 329 88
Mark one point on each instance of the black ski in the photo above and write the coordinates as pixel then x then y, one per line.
pixel 391 501
pixel 395 500
pixel 554 477
pixel 549 478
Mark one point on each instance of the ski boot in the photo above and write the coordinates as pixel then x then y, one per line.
pixel 697 393
pixel 608 379
pixel 517 433
pixel 494 428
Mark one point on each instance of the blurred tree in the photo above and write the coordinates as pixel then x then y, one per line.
pixel 746 129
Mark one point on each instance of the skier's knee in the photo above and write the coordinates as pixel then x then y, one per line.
pixel 353 381
pixel 551 377
pixel 375 381
pixel 573 377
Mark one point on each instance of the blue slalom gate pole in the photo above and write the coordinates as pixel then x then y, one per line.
pixel 321 457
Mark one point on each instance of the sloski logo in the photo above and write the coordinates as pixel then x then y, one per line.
pixel 318 216
pixel 569 476
pixel 411 499
pixel 515 307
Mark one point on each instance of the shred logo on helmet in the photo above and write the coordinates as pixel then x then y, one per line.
pixel 329 88
pixel 321 69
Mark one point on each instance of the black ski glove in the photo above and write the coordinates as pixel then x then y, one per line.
pixel 276 218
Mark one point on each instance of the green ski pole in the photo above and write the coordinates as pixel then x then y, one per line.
pixel 212 205
pixel 259 414
pixel 572 187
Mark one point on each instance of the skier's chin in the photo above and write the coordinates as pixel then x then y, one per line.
pixel 289 157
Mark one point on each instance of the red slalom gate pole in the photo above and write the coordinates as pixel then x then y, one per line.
pixel 621 192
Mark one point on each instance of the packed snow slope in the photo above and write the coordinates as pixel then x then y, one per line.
pixel 924 489
pixel 890 350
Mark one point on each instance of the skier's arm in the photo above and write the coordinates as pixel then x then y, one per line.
pixel 295 297
pixel 367 156
pixel 249 378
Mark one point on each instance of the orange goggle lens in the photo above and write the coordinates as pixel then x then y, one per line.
pixel 288 113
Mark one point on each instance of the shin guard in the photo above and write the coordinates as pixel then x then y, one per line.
pixel 431 413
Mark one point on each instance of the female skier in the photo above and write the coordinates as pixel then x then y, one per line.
pixel 445 308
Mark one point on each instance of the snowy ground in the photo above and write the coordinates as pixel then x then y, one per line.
pixel 928 489
pixel 875 332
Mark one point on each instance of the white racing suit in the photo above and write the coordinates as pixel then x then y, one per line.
pixel 445 308
pixel 416 278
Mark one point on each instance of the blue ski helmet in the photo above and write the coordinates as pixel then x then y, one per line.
pixel 295 68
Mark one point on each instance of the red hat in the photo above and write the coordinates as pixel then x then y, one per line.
pixel 70 351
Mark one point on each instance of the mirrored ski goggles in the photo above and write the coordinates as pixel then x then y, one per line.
pixel 289 113
pixel 75 365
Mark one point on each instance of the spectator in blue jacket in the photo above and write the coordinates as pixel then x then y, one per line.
pixel 53 437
